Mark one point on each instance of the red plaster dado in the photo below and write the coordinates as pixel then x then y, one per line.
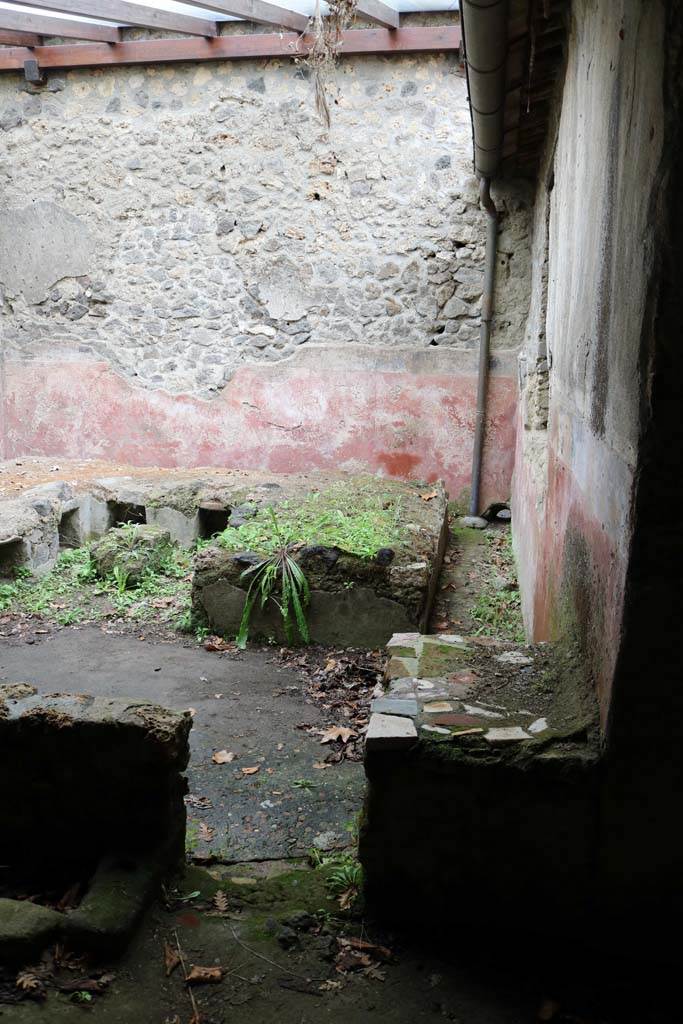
pixel 287 419
pixel 572 553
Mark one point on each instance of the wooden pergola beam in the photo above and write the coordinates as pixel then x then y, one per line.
pixel 239 47
pixel 129 14
pixel 19 39
pixel 375 10
pixel 22 21
pixel 255 10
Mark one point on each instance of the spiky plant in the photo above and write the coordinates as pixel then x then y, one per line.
pixel 280 579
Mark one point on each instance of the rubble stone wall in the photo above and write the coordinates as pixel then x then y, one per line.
pixel 173 233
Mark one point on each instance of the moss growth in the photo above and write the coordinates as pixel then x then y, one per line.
pixel 356 519
pixel 267 898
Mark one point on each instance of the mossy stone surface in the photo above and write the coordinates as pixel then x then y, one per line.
pixel 133 549
pixel 26 928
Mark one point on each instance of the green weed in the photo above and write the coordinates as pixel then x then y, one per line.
pixel 304 784
pixel 346 883
pixel 277 574
pixel 120 577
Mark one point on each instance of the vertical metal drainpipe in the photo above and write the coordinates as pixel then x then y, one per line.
pixel 484 340
pixel 485 37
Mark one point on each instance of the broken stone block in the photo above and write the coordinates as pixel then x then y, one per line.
pixel 394 706
pixel 26 929
pixel 437 729
pixel 507 734
pixel 361 598
pixel 108 915
pixel 398 668
pixel 182 529
pixel 117 762
pixel 404 645
pixel 400 687
pixel 389 732
pixel 133 549
pixel 540 725
pixel 441 657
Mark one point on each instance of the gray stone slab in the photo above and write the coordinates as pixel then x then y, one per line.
pixel 402 686
pixel 395 705
pixel 507 734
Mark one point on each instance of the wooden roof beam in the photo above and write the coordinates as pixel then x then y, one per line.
pixel 375 10
pixel 129 14
pixel 21 21
pixel 252 46
pixel 19 39
pixel 255 10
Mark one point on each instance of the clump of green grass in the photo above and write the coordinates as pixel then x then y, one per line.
pixel 356 521
pixel 40 594
pixel 345 876
pixel 498 608
pixel 71 591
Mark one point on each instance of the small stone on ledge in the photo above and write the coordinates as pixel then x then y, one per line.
pixel 507 734
pixel 390 732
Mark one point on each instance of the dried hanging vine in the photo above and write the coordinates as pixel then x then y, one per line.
pixel 322 57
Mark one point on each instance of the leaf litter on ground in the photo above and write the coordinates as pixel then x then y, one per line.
pixel 341 683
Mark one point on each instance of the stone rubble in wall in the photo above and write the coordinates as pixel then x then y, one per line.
pixel 257 231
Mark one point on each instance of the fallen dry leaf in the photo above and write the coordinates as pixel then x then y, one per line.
pixel 223 757
pixel 321 764
pixel 363 946
pixel 206 833
pixel 349 960
pixel 220 901
pixel 204 975
pixel 251 771
pixel 192 800
pixel 217 643
pixel 171 959
pixel 429 495
pixel 347 898
pixel 31 985
pixel 337 732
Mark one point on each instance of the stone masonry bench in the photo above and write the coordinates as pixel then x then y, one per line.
pixel 91 790
pixel 482 765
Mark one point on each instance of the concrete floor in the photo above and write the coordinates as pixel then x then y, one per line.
pixel 244 703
